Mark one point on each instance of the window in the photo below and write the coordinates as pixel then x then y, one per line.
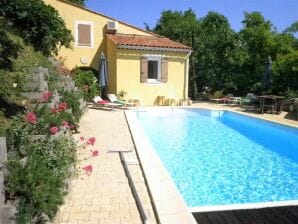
pixel 84 34
pixel 154 69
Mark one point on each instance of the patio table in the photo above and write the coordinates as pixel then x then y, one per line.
pixel 277 102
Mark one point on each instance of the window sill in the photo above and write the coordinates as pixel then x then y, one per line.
pixel 84 46
pixel 153 82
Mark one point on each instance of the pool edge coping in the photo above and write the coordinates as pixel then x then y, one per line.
pixel 171 208
pixel 257 205
pixel 244 113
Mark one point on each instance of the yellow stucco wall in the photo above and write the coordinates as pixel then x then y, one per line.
pixel 128 76
pixel 70 14
pixel 112 66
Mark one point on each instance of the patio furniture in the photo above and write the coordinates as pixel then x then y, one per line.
pixel 271 103
pixel 113 98
pixel 216 100
pixel 234 100
pixel 250 102
pixel 99 102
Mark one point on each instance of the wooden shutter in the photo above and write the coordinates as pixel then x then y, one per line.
pixel 164 70
pixel 144 69
pixel 84 34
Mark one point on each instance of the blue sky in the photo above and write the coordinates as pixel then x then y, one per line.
pixel 281 13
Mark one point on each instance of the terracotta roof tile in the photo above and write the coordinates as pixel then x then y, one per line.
pixel 145 41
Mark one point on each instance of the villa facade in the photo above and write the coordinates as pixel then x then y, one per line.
pixel 146 66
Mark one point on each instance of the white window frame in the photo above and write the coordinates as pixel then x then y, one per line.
pixel 158 59
pixel 77 22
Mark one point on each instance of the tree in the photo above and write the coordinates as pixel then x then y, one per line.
pixel 217 42
pixel 257 43
pixel 38 23
pixel 182 27
pixel 293 28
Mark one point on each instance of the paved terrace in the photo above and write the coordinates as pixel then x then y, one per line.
pixel 105 195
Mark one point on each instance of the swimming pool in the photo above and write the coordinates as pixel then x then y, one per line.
pixel 224 158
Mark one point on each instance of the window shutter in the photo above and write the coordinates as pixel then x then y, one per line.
pixel 144 69
pixel 164 70
pixel 84 34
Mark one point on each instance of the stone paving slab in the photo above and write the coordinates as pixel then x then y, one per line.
pixel 105 196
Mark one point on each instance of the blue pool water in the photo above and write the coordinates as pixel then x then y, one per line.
pixel 223 158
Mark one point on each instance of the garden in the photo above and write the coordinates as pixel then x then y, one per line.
pixel 41 103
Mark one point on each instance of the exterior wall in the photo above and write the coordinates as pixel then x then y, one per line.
pixel 112 66
pixel 128 76
pixel 71 13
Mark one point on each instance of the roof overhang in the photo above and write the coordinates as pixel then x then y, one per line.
pixel 120 46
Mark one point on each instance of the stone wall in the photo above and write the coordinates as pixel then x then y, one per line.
pixel 36 83
pixel 7 211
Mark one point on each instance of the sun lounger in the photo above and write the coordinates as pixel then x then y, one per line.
pixel 113 98
pixel 99 102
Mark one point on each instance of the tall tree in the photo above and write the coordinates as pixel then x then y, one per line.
pixel 182 27
pixel 217 42
pixel 257 42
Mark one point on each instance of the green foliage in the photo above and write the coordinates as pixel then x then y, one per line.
pixel 285 72
pixel 293 28
pixel 39 184
pixel 73 102
pixel 8 50
pixel 233 62
pixel 87 83
pixel 215 52
pixel 10 88
pixel 18 136
pixel 38 23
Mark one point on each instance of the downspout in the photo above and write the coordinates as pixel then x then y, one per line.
pixel 186 76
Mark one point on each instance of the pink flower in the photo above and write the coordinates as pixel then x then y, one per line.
pixel 31 118
pixel 91 141
pixel 65 124
pixel 72 127
pixel 46 95
pixel 88 169
pixel 82 138
pixel 94 153
pixel 62 107
pixel 54 130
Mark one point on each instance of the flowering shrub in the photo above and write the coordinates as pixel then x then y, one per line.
pixel 39 184
pixel 54 130
pixel 31 118
pixel 46 96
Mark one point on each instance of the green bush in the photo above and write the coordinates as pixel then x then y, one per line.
pixel 39 184
pixel 38 23
pixel 72 100
pixel 87 83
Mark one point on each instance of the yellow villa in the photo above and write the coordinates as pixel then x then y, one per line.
pixel 146 66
